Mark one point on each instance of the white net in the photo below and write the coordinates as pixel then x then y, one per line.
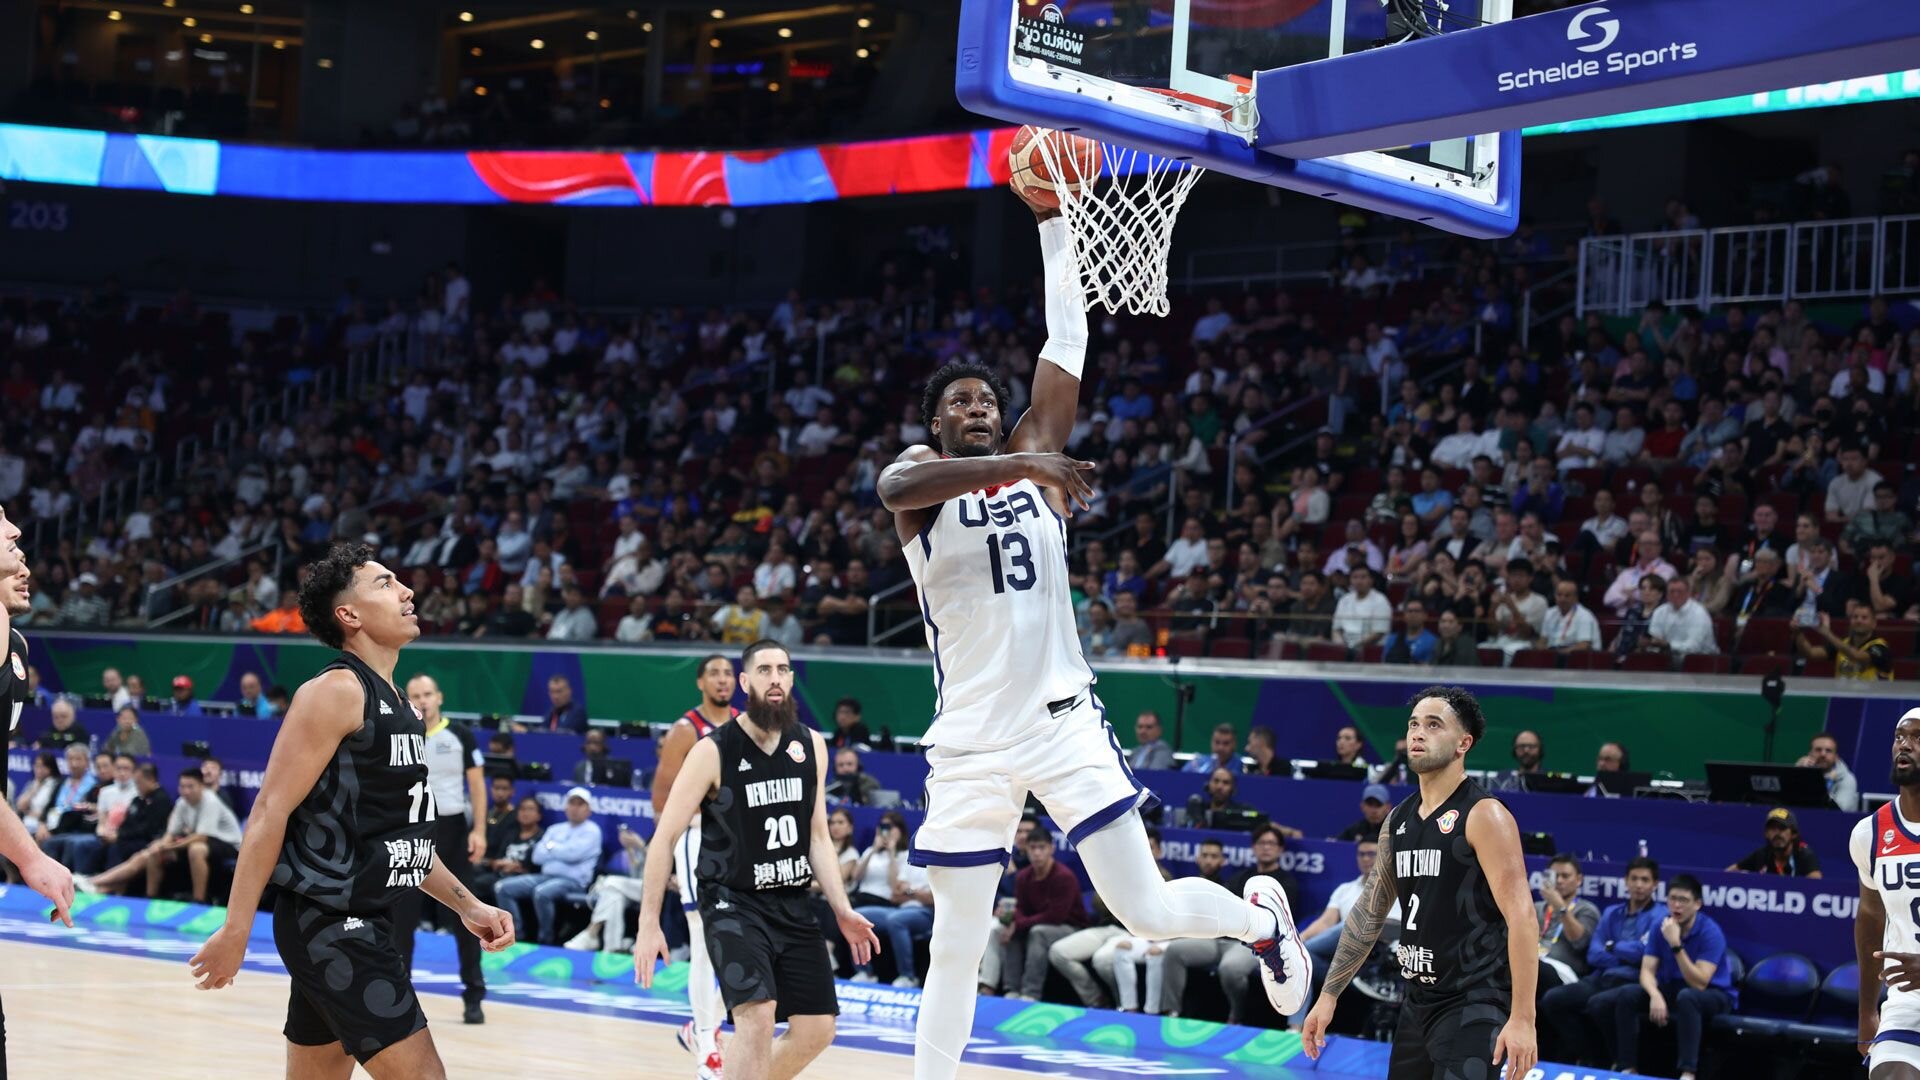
pixel 1122 225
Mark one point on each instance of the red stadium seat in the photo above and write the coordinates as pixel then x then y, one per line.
pixel 1818 669
pixel 1186 645
pixel 1905 670
pixel 1590 660
pixel 1899 634
pixel 1325 652
pixel 1706 665
pixel 1373 654
pixel 1232 648
pixel 1536 658
pixel 1642 661
pixel 1766 665
pixel 1766 636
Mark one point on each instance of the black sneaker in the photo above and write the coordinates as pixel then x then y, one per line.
pixel 473 1014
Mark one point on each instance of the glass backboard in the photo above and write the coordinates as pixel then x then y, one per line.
pixel 1174 77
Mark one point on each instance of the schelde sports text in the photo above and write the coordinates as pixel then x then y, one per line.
pixel 1617 63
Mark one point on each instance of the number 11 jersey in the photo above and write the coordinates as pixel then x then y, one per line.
pixel 364 833
pixel 991 567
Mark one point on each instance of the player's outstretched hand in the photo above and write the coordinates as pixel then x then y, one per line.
pixel 1516 1047
pixel 1900 970
pixel 859 934
pixel 55 882
pixel 1313 1037
pixel 492 926
pixel 649 945
pixel 1067 474
pixel 218 961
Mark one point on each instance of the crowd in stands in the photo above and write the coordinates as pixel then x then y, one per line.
pixel 1673 492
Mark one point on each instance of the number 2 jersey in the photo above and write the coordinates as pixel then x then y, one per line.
pixel 1453 939
pixel 364 833
pixel 991 567
pixel 757 826
pixel 1886 851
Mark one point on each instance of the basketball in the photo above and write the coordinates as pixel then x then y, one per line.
pixel 1077 159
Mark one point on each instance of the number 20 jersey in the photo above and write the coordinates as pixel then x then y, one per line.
pixel 991 567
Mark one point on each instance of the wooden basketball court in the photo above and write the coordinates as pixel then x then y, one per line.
pixel 73 1012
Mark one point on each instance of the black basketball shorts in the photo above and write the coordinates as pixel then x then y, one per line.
pixel 349 984
pixel 768 947
pixel 1447 1040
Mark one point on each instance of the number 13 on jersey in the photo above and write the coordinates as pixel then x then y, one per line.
pixel 1012 562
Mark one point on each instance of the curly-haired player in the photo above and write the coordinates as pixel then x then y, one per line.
pixel 984 528
pixel 343 826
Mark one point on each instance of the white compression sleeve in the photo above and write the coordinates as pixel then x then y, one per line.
pixel 1123 872
pixel 962 919
pixel 1066 346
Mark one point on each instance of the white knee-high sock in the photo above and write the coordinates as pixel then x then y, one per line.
pixel 962 916
pixel 1123 872
pixel 703 993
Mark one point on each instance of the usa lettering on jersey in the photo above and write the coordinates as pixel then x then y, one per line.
pixel 1422 862
pixel 978 513
pixel 768 792
pixel 408 862
pixel 406 749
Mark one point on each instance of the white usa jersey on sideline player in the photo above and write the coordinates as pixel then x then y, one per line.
pixel 1886 850
pixel 992 572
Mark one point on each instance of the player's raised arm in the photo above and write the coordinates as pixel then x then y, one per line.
pixel 1056 380
pixel 1496 842
pixel 322 714
pixel 1357 937
pixel 698 775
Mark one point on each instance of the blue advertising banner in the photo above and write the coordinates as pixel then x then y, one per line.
pixel 1572 64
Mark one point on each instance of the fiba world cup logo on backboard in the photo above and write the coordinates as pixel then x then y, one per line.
pixel 1049 37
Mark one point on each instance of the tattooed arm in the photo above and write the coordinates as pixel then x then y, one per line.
pixel 1357 938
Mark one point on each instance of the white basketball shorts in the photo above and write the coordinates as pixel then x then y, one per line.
pixel 975 798
pixel 1899 1037
pixel 686 858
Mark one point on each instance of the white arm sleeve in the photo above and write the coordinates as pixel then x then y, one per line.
pixel 1066 346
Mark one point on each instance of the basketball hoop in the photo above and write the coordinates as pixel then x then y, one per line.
pixel 1122 226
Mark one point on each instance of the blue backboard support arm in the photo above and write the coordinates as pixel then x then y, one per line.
pixel 1596 60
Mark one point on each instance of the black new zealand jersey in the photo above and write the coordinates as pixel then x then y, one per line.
pixel 1453 939
pixel 364 833
pixel 13 678
pixel 757 826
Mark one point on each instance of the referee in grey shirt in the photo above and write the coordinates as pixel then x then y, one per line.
pixel 460 829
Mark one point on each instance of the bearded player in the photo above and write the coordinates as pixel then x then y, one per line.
pixel 1886 849
pixel 982 520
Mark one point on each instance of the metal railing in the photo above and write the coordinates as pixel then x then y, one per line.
pixel 1325 260
pixel 176 582
pixel 1704 268
pixel 876 603
pixel 1531 313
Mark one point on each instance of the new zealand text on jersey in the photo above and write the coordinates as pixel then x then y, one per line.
pixel 1420 862
pixel 407 750
pixel 766 792
pixel 408 862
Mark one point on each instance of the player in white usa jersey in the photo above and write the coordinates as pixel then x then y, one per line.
pixel 984 527
pixel 1886 935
